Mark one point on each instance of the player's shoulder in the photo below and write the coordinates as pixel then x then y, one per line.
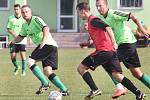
pixel 11 17
pixel 38 20
pixel 35 18
pixel 119 13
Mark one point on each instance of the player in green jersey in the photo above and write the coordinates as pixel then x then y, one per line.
pixel 14 26
pixel 126 42
pixel 46 51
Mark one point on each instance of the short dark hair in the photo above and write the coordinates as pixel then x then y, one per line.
pixel 104 1
pixel 26 6
pixel 17 5
pixel 83 5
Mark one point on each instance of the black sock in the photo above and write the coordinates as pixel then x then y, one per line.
pixel 89 80
pixel 130 86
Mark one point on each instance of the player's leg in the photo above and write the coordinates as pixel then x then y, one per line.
pixel 50 73
pixel 129 85
pixel 132 62
pixel 125 54
pixel 37 71
pixel 145 79
pixel 120 90
pixel 38 55
pixel 23 57
pixel 114 67
pixel 13 54
pixel 83 71
pixel 50 64
pixel 91 62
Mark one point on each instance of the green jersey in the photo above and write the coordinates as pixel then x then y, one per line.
pixel 15 24
pixel 34 30
pixel 116 20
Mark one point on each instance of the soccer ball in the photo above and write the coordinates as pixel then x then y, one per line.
pixel 55 95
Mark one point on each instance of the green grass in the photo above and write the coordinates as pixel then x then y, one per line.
pixel 23 88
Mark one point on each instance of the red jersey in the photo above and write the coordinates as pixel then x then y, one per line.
pixel 99 35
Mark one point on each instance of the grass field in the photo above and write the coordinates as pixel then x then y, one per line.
pixel 23 88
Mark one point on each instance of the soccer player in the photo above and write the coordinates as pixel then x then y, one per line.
pixel 14 26
pixel 46 51
pixel 126 42
pixel 105 54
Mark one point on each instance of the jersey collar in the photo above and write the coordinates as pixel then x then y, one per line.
pixel 30 21
pixel 17 17
pixel 106 13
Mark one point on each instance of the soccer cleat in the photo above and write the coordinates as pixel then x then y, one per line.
pixel 140 96
pixel 42 89
pixel 19 67
pixel 119 93
pixel 23 73
pixel 16 71
pixel 92 94
pixel 65 93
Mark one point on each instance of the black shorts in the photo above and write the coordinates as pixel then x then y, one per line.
pixel 17 48
pixel 48 55
pixel 127 53
pixel 107 59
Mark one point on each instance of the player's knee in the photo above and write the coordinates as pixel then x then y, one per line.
pixel 137 75
pixel 30 62
pixel 13 59
pixel 47 70
pixel 81 69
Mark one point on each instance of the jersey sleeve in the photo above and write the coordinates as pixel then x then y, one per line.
pixel 9 24
pixel 40 22
pixel 96 22
pixel 120 15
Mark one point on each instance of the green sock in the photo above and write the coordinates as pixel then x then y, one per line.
pixel 146 80
pixel 39 74
pixel 24 65
pixel 15 62
pixel 57 82
pixel 113 79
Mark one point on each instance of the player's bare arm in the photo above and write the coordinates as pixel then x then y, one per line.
pixel 45 35
pixel 112 37
pixel 19 38
pixel 139 24
pixel 12 32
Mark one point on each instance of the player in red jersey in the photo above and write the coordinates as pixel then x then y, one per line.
pixel 105 54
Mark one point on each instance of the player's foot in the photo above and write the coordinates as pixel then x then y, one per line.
pixel 16 71
pixel 140 96
pixel 119 93
pixel 23 73
pixel 65 93
pixel 42 89
pixel 19 67
pixel 92 94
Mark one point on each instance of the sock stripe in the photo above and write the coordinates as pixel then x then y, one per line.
pixel 33 66
pixel 51 76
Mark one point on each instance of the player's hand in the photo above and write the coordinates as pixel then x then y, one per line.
pixel 10 44
pixel 84 27
pixel 147 35
pixel 115 46
pixel 42 45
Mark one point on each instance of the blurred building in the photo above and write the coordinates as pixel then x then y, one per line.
pixel 62 18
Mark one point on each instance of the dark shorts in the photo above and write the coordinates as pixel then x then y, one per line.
pixel 127 53
pixel 48 55
pixel 17 48
pixel 107 59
